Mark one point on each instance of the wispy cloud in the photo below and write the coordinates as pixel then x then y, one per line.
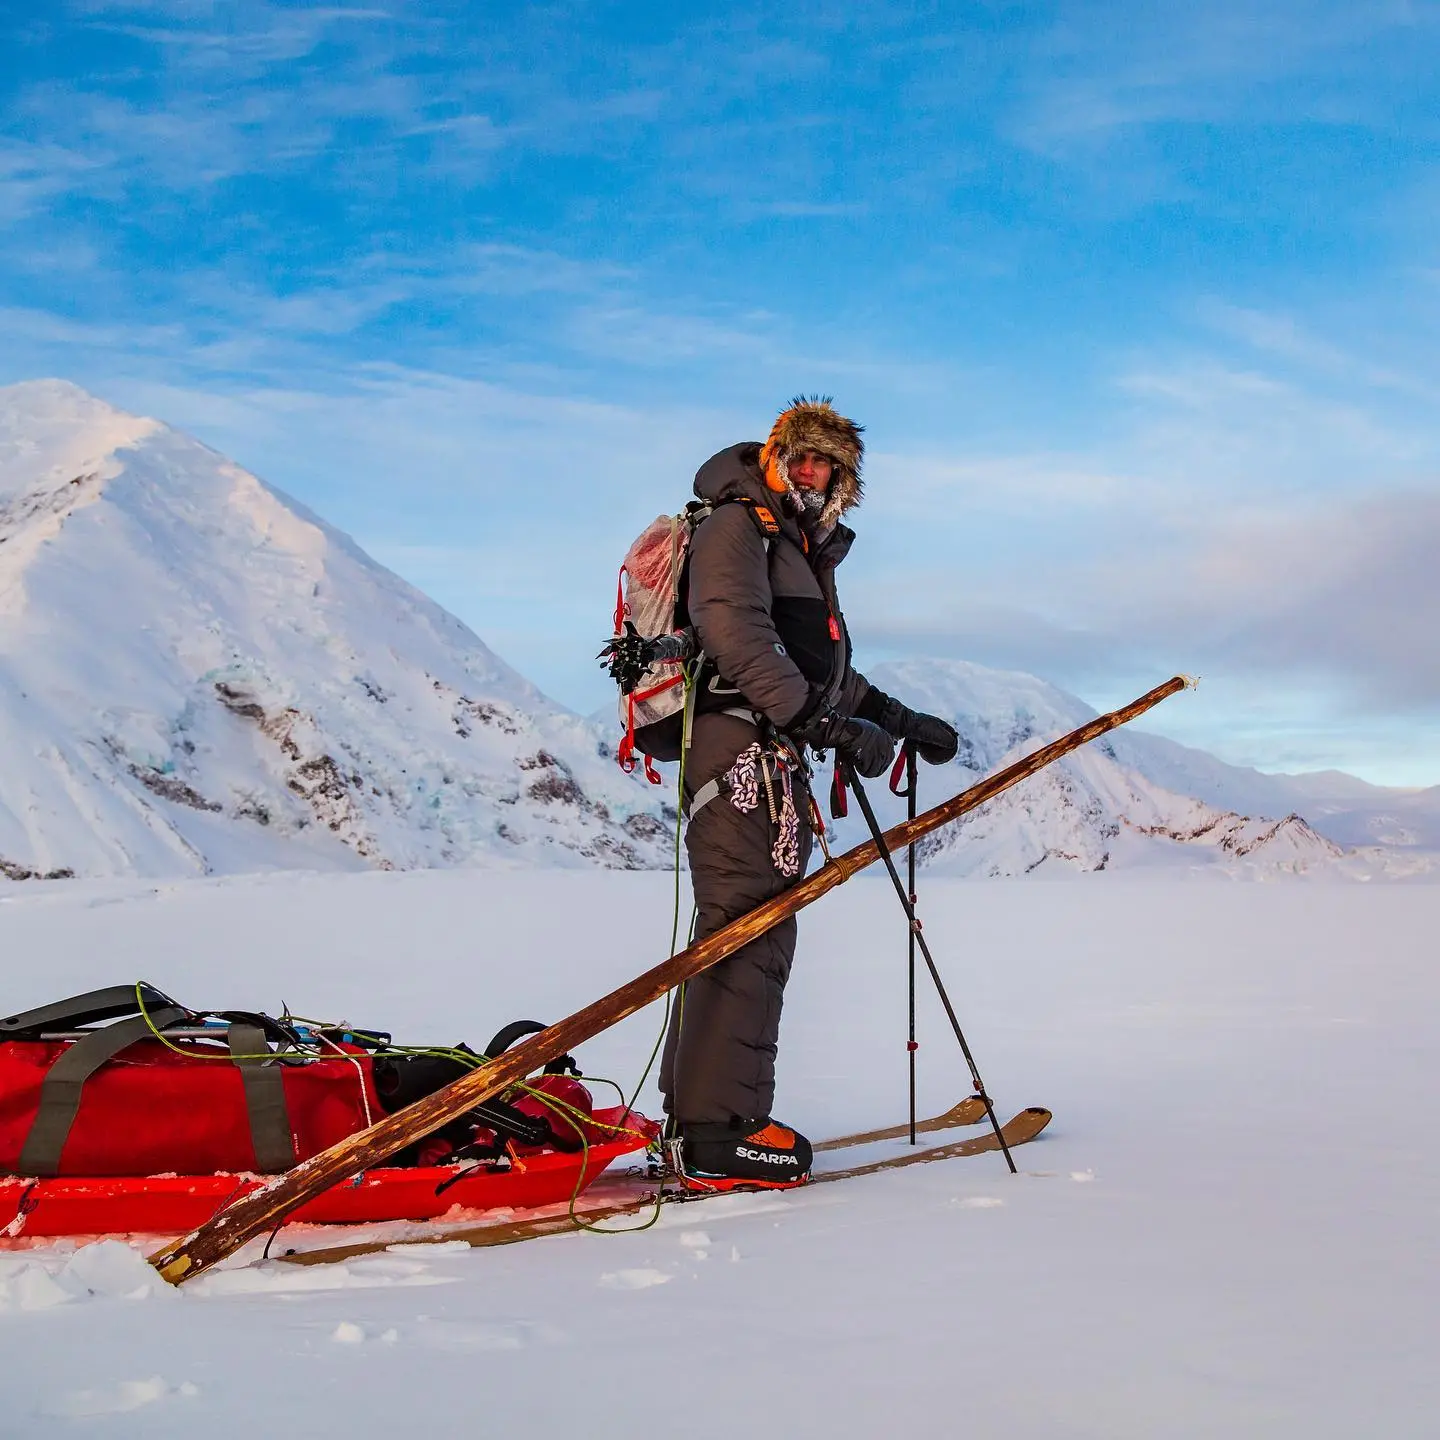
pixel 1244 523
pixel 517 270
pixel 245 39
pixel 1092 83
pixel 1219 430
pixel 206 94
pixel 912 486
pixel 32 173
pixel 800 209
pixel 1124 293
pixel 1345 592
pixel 1284 337
pixel 1316 627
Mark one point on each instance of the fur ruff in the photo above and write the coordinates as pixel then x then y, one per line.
pixel 812 423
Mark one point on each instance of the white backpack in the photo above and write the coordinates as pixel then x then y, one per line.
pixel 653 654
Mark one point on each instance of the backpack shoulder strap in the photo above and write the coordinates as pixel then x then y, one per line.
pixel 762 515
pixel 699 510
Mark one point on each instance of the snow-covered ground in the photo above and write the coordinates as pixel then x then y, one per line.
pixel 1228 1230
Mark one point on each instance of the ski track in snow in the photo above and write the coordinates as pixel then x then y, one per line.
pixel 1227 1230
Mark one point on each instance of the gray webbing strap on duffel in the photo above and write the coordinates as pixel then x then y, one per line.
pixel 264 1082
pixel 64 1081
pixel 88 1009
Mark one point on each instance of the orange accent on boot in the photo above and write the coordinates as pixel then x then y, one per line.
pixel 722 1184
pixel 773 1134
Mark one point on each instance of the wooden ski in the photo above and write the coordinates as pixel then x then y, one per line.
pixel 970 1111
pixel 266 1208
pixel 1025 1126
pixel 1019 1130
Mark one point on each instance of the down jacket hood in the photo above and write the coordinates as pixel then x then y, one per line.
pixel 813 423
pixel 753 469
pixel 735 471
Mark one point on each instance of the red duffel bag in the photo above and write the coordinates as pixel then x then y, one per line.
pixel 80 1097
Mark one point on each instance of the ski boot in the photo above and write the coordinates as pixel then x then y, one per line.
pixel 742 1155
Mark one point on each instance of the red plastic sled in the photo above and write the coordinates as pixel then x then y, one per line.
pixel 173 1204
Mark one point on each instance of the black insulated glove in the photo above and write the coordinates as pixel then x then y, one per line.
pixel 935 741
pixel 863 743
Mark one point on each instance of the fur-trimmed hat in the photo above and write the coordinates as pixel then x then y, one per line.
pixel 812 423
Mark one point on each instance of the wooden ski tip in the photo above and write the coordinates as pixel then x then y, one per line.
pixel 172 1268
pixel 969 1111
pixel 1022 1127
pixel 1027 1124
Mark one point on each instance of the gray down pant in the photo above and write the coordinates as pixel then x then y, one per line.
pixel 719 1057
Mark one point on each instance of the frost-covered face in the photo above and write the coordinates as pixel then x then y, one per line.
pixel 810 471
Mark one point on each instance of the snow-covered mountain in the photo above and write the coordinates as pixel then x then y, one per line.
pixel 1135 801
pixel 197 675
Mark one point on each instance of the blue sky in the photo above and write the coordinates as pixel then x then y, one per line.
pixel 1137 303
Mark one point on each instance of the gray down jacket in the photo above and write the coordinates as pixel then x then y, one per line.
pixel 765 610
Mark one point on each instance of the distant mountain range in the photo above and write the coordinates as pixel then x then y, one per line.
pixel 1134 801
pixel 199 676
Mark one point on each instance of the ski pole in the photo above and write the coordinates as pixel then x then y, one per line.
pixel 906 766
pixel 911 802
pixel 915 930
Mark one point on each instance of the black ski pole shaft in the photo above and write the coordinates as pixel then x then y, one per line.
pixel 885 855
pixel 910 1044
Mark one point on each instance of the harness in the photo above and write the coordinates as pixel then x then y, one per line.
pixel 767 764
pixel 720 785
